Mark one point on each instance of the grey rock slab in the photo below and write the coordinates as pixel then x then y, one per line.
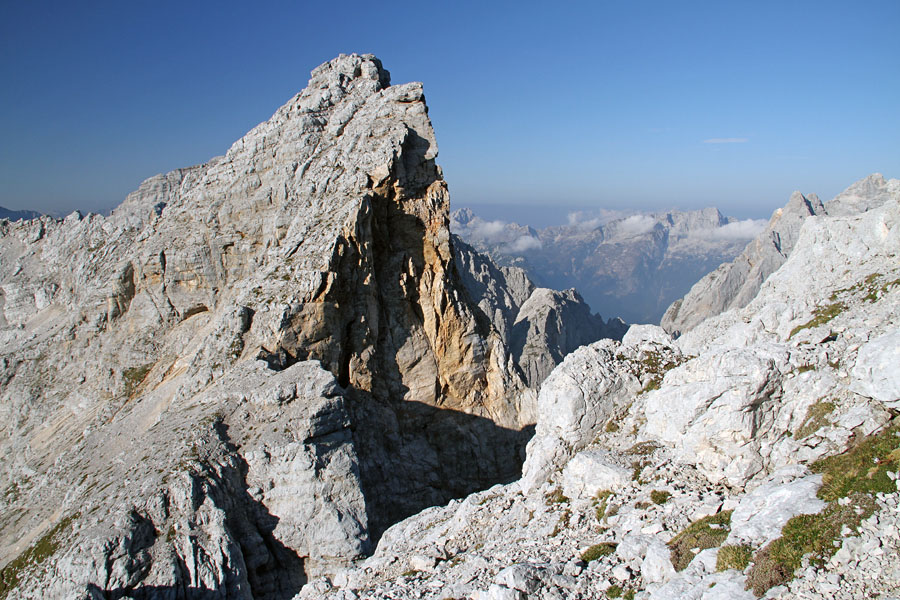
pixel 591 471
pixel 877 370
pixel 761 513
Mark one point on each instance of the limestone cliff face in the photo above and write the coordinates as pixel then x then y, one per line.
pixel 275 338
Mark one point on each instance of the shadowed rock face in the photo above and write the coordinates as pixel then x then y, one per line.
pixel 252 365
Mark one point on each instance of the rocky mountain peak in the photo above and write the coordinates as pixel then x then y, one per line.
pixel 338 71
pixel 270 357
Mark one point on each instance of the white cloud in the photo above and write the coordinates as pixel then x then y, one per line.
pixel 636 225
pixel 579 220
pixel 487 229
pixel 737 230
pixel 525 242
pixel 587 220
pixel 734 140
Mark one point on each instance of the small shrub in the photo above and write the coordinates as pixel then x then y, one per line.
pixel 600 503
pixel 733 557
pixel 660 496
pixel 815 419
pixel 134 377
pixel 597 551
pixel 707 532
pixel 556 497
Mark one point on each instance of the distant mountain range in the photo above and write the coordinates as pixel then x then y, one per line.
pixel 631 267
pixel 17 215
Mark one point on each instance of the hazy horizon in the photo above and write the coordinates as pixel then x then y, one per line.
pixel 641 106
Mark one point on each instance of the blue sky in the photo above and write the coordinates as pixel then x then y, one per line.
pixel 562 105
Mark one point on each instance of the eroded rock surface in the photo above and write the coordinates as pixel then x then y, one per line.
pixel 254 366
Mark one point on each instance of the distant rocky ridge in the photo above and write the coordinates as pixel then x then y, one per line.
pixel 735 284
pixel 18 215
pixel 540 326
pixel 631 267
pixel 253 366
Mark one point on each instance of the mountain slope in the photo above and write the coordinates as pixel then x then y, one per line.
pixel 18 215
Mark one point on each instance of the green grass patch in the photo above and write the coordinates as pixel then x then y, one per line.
pixel 704 533
pixel 870 289
pixel 562 523
pixel 653 366
pixel 598 551
pixel 33 557
pixel 614 591
pixel 853 478
pixel 660 496
pixel 816 534
pixel 821 315
pixel 651 385
pixel 875 291
pixel 134 377
pixel 733 557
pixel 556 497
pixel 862 468
pixel 643 448
pixel 600 502
pixel 816 418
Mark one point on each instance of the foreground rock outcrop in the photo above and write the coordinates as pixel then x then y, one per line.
pixel 758 455
pixel 254 366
